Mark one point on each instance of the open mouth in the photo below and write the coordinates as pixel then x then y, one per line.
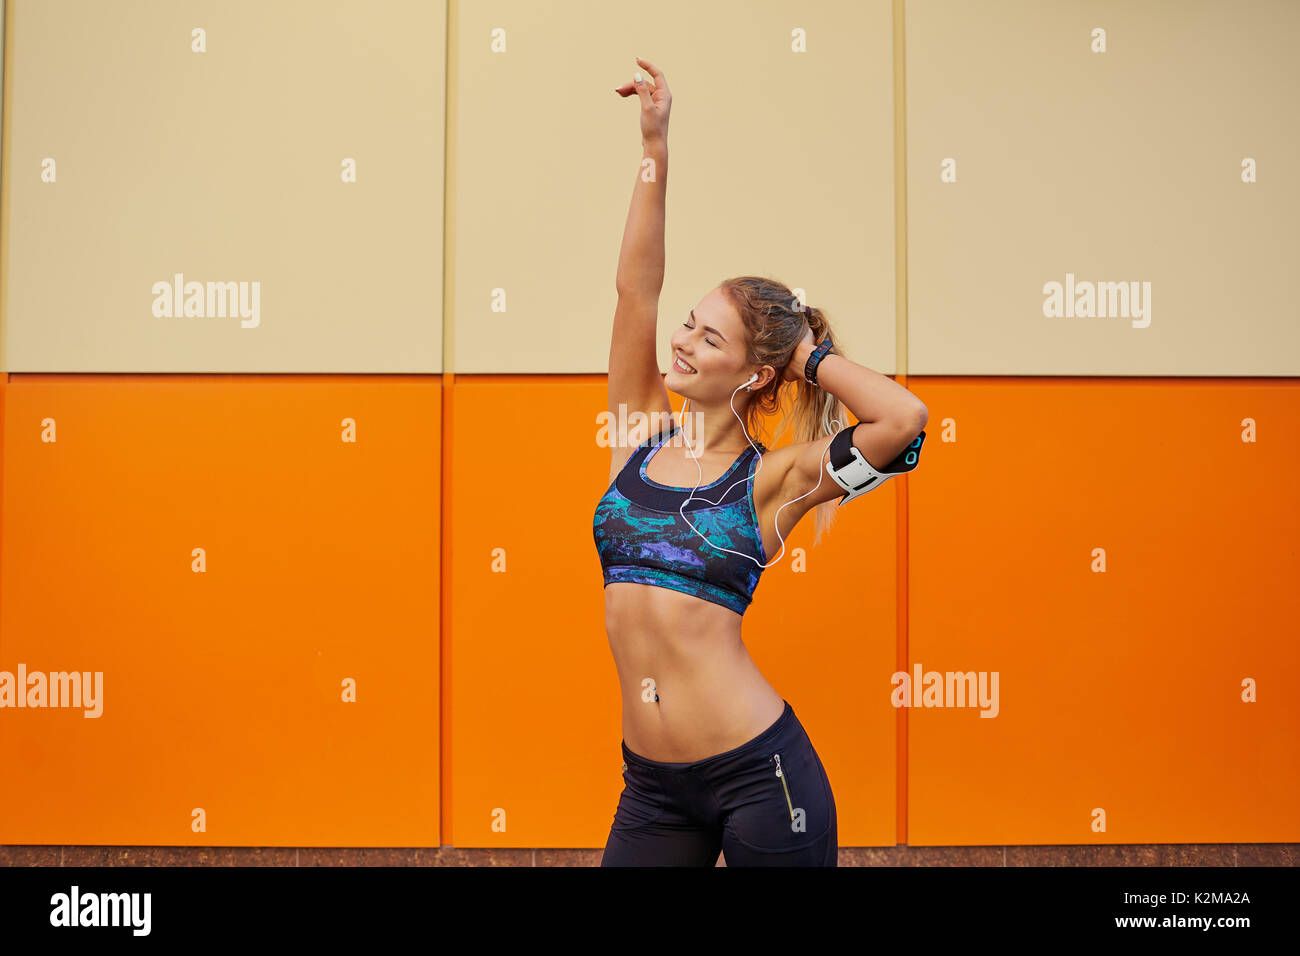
pixel 682 366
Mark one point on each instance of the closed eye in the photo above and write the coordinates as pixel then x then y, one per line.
pixel 706 338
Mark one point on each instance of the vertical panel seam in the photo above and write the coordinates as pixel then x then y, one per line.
pixel 6 173
pixel 448 382
pixel 900 333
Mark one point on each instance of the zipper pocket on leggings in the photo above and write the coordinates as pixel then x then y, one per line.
pixel 781 773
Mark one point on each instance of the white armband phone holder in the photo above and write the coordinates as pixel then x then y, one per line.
pixel 854 473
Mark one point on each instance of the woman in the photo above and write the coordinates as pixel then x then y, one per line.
pixel 714 757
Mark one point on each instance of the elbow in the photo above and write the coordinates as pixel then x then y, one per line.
pixel 915 423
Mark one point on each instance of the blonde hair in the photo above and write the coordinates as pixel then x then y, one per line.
pixel 775 323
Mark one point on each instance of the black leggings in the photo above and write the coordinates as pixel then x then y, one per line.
pixel 682 814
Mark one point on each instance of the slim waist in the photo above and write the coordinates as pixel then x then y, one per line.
pixel 778 728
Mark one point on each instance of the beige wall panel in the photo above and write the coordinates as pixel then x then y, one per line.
pixel 4 189
pixel 780 164
pixel 1115 167
pixel 227 166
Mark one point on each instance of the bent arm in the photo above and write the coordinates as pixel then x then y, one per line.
pixel 891 418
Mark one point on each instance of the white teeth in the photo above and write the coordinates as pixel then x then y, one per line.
pixel 683 367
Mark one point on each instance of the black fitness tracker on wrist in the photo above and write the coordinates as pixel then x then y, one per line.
pixel 815 359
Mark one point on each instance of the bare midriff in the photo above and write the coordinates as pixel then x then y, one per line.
pixel 712 697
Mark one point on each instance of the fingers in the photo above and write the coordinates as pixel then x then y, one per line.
pixel 655 74
pixel 643 90
pixel 628 89
pixel 655 81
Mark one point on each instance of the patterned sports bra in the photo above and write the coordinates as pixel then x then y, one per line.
pixel 641 536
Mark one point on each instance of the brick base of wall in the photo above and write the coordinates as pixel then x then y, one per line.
pixel 1178 854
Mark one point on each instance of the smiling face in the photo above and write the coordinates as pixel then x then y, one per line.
pixel 711 343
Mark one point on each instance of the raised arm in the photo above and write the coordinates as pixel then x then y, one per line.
pixel 890 419
pixel 635 381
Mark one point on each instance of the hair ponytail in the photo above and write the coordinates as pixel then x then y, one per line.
pixel 777 323
pixel 817 413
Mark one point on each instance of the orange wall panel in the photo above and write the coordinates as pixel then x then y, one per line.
pixel 1120 690
pixel 534 706
pixel 4 385
pixel 222 690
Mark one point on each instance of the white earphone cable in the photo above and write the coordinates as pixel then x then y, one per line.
pixel 776 520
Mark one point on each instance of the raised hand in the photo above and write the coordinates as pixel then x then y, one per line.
pixel 656 101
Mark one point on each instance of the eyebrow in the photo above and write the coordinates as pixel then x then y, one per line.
pixel 709 328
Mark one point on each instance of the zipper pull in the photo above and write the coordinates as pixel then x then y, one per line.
pixel 784 786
